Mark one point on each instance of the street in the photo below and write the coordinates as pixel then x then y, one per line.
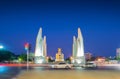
pixel 41 73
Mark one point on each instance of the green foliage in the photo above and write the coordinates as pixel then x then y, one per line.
pixel 6 55
pixel 68 60
pixel 118 58
pixel 22 57
pixel 107 59
pixel 31 56
pixel 50 60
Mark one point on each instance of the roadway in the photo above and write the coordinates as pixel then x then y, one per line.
pixel 79 73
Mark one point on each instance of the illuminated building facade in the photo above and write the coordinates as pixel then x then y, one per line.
pixel 100 60
pixel 41 48
pixel 118 52
pixel 88 56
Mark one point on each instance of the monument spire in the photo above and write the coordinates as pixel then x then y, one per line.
pixel 79 33
pixel 39 33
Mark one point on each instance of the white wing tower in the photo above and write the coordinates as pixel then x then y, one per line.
pixel 41 48
pixel 78 49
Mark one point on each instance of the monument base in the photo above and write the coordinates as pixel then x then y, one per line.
pixel 79 60
pixel 40 59
pixel 59 60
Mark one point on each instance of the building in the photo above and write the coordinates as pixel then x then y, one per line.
pixel 78 49
pixel 59 56
pixel 100 60
pixel 88 56
pixel 41 48
pixel 118 52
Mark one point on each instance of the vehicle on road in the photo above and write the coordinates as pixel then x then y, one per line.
pixel 89 64
pixel 61 65
pixel 86 65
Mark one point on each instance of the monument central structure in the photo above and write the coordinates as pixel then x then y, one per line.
pixel 41 48
pixel 59 56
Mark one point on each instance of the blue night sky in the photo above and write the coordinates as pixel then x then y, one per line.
pixel 99 21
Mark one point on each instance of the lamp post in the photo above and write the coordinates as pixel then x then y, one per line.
pixel 27 48
pixel 1 46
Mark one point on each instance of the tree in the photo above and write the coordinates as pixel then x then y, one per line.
pixel 50 59
pixel 22 57
pixel 31 56
pixel 68 60
pixel 93 58
pixel 118 58
pixel 6 55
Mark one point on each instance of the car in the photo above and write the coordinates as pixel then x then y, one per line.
pixel 89 65
pixel 61 65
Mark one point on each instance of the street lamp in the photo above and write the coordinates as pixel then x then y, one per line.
pixel 1 46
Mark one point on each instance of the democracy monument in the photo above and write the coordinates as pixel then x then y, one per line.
pixel 77 53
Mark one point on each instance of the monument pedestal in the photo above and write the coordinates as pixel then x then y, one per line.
pixel 40 59
pixel 78 60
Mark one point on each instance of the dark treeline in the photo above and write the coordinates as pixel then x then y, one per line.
pixel 6 55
